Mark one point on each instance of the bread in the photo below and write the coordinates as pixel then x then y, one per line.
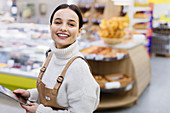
pixel 140 26
pixel 140 15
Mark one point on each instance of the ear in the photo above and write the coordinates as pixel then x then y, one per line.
pixel 50 27
pixel 79 32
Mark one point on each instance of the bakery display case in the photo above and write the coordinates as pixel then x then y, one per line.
pixel 123 80
pixel 103 53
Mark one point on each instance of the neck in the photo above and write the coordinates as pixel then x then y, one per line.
pixel 62 47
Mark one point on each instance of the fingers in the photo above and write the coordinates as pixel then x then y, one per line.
pixel 30 107
pixel 27 106
pixel 22 92
pixel 19 91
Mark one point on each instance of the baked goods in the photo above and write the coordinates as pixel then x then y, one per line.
pixel 123 79
pixel 139 4
pixel 113 81
pixel 140 15
pixel 103 53
pixel 140 25
pixel 101 81
pixel 113 28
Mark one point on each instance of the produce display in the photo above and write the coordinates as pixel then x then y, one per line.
pixel 104 53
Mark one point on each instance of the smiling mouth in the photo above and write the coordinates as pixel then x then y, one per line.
pixel 62 36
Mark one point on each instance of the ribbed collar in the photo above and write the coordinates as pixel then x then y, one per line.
pixel 65 53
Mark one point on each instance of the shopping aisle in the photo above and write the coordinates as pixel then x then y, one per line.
pixel 155 99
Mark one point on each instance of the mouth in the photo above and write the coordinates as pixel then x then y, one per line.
pixel 63 35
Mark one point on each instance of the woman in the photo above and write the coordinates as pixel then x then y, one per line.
pixel 65 84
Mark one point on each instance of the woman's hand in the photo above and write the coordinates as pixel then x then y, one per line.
pixel 23 93
pixel 30 107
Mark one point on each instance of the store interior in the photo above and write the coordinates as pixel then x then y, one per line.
pixel 126 43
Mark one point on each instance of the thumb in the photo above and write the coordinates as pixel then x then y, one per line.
pixel 31 104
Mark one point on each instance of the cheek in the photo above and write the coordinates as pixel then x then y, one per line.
pixel 54 29
pixel 75 32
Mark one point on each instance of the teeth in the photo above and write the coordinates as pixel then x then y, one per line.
pixel 62 35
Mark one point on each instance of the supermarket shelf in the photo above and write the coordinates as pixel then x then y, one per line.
pixel 121 2
pixel 136 9
pixel 98 6
pixel 141 20
pixel 141 31
pixel 113 101
pixel 18 72
pixel 84 6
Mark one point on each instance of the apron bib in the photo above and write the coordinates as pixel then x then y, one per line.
pixel 48 97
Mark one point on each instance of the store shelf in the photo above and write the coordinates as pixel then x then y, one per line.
pixel 136 66
pixel 113 101
pixel 121 2
pixel 148 10
pixel 136 9
pixel 18 72
pixel 141 31
pixel 94 14
pixel 84 6
pixel 140 20
pixel 96 21
pixel 85 20
pixel 98 6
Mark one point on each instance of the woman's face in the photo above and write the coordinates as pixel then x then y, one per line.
pixel 64 28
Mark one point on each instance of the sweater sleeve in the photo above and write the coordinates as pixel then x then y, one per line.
pixel 33 95
pixel 82 90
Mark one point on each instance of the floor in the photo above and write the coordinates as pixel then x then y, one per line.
pixel 155 98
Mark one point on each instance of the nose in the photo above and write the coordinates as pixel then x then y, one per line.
pixel 63 27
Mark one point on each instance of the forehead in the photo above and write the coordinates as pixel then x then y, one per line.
pixel 66 14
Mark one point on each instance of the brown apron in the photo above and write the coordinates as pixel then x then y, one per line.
pixel 48 96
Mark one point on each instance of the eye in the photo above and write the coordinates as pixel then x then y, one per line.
pixel 57 22
pixel 72 25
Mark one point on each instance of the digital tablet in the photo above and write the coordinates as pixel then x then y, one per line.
pixel 7 92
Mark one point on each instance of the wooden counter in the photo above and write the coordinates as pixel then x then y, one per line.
pixel 137 65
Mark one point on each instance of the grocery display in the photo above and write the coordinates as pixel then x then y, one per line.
pixel 24 51
pixel 104 53
pixel 114 47
pixel 141 19
pixel 114 82
pixel 92 15
pixel 132 74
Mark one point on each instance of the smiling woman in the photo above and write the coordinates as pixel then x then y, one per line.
pixel 65 83
pixel 65 29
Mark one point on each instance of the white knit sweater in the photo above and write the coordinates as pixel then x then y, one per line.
pixel 79 91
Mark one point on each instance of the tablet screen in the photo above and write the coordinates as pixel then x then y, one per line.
pixel 9 93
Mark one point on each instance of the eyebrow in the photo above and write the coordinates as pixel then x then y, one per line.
pixel 72 20
pixel 68 20
pixel 57 18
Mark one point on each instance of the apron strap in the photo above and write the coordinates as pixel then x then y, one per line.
pixel 43 69
pixel 61 77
